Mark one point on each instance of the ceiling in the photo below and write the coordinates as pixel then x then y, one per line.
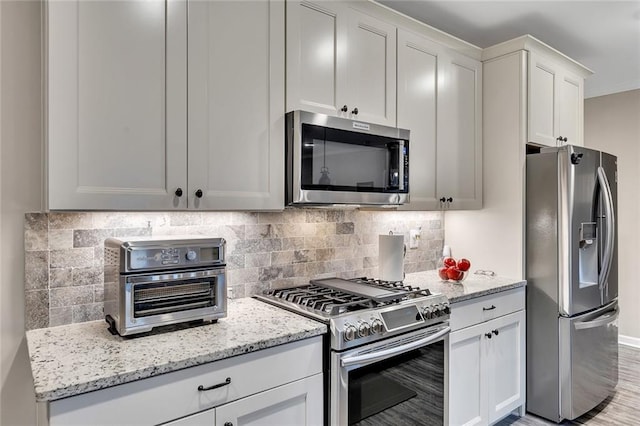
pixel 602 35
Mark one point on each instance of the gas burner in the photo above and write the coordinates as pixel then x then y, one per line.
pixel 412 291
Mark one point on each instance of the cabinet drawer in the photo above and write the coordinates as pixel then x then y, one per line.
pixel 173 395
pixel 475 311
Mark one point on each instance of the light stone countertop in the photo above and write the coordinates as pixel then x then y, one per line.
pixel 473 286
pixel 73 359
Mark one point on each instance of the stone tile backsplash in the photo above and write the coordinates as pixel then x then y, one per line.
pixel 64 251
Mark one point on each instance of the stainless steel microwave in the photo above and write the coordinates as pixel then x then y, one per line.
pixel 337 161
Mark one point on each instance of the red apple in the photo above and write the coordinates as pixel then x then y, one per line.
pixel 442 272
pixel 454 274
pixel 464 265
pixel 449 262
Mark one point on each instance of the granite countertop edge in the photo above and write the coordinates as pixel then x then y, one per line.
pixel 75 373
pixel 145 373
pixel 487 292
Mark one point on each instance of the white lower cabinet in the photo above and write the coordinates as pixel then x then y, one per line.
pixel 281 385
pixel 297 403
pixel 486 365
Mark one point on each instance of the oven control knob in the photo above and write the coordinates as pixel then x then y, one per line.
pixel 427 312
pixel 446 309
pixel 437 310
pixel 191 255
pixel 364 329
pixel 377 326
pixel 350 333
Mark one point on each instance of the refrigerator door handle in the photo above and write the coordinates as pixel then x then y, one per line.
pixel 607 257
pixel 602 320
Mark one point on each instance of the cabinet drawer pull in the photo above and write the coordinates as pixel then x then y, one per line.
pixel 496 332
pixel 355 111
pixel 488 335
pixel 178 192
pixel 489 309
pixel 228 424
pixel 344 109
pixel 219 385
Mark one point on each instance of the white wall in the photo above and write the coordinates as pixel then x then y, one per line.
pixel 20 191
pixel 612 124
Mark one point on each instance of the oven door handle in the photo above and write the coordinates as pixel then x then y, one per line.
pixel 387 353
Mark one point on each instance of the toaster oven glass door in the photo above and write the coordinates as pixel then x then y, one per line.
pixel 158 294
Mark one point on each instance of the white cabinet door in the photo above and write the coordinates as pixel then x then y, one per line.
pixel 236 105
pixel 571 109
pixel 316 36
pixel 297 404
pixel 205 418
pixel 116 123
pixel 467 377
pixel 506 364
pixel 543 112
pixel 417 91
pixel 340 62
pixel 370 69
pixel 556 103
pixel 459 146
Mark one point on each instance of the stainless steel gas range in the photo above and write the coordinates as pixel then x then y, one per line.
pixel 386 352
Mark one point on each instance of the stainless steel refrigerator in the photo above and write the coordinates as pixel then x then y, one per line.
pixel 572 281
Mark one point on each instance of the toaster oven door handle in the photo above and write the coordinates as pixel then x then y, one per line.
pixel 201 388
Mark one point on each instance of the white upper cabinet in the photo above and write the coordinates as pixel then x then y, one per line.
pixel 417 96
pixel 116 123
pixel 439 101
pixel 129 97
pixel 556 103
pixel 340 62
pixel 236 105
pixel 459 156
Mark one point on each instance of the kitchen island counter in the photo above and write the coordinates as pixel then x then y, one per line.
pixel 74 359
pixel 473 286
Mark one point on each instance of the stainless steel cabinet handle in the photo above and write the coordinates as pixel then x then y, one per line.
pixel 489 309
pixel 219 385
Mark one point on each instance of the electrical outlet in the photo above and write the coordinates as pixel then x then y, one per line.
pixel 414 238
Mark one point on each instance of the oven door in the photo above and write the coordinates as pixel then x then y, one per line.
pixel 401 380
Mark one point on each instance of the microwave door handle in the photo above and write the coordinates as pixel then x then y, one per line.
pixel 387 353
pixel 607 257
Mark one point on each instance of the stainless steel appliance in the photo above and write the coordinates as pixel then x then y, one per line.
pixel 332 160
pixel 387 350
pixel 572 281
pixel 150 282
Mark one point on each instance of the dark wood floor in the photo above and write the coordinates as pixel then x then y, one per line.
pixel 622 408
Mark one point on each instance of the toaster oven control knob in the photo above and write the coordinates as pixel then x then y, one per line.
pixel 191 255
pixel 364 329
pixel 350 333
pixel 376 326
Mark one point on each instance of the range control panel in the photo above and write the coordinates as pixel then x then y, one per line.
pixel 363 327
